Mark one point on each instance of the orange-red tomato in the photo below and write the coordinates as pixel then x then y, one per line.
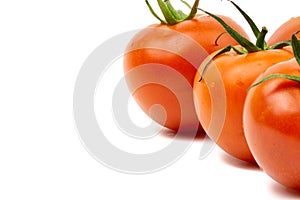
pixel 272 124
pixel 285 31
pixel 168 57
pixel 237 73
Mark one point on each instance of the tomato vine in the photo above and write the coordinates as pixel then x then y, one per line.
pixel 296 48
pixel 246 46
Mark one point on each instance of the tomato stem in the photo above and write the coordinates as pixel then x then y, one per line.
pixel 280 45
pixel 249 46
pixel 260 42
pixel 171 15
pixel 272 76
pixel 154 13
pixel 260 35
pixel 253 26
pixel 260 45
pixel 296 47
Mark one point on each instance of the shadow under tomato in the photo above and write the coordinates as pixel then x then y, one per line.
pixel 184 135
pixel 238 163
pixel 283 191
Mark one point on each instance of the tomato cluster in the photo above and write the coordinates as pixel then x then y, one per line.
pixel 179 55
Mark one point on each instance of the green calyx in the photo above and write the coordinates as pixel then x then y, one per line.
pixel 246 45
pixel 260 35
pixel 171 15
pixel 296 48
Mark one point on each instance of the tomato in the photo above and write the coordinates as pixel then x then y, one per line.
pixel 272 124
pixel 285 31
pixel 163 51
pixel 237 72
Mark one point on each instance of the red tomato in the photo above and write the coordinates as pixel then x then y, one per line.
pixel 272 124
pixel 237 72
pixel 285 31
pixel 166 53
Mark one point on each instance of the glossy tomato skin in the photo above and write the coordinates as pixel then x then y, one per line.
pixel 272 124
pixel 285 31
pixel 163 50
pixel 237 73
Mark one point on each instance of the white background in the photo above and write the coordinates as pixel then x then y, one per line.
pixel 42 47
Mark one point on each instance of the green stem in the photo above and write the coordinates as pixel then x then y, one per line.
pixel 168 14
pixel 171 15
pixel 194 10
pixel 178 14
pixel 280 45
pixel 154 14
pixel 253 26
pixel 296 47
pixel 249 46
pixel 260 42
pixel 272 76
